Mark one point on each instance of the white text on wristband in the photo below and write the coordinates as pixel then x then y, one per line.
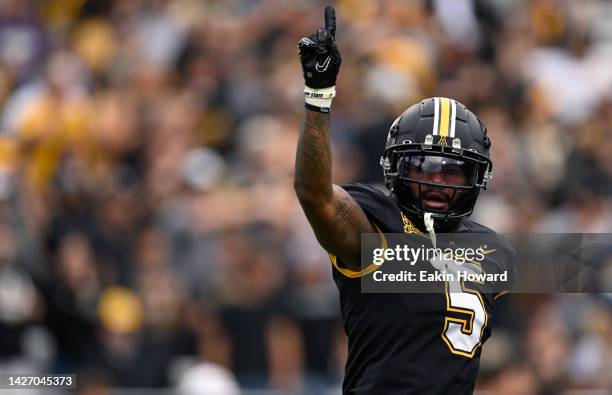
pixel 320 99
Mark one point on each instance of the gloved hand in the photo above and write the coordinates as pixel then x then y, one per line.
pixel 321 61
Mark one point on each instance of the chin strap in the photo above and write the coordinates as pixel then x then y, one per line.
pixel 437 261
pixel 429 225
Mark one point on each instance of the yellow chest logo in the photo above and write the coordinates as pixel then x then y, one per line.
pixel 409 226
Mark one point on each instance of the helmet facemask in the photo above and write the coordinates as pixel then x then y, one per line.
pixel 443 183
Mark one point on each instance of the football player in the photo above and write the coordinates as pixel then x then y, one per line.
pixel 435 163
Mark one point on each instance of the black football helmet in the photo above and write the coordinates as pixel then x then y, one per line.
pixel 437 159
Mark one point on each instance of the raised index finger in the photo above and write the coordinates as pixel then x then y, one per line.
pixel 330 20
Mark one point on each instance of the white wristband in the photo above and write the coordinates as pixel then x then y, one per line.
pixel 319 98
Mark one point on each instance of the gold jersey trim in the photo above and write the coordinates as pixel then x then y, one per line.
pixel 356 274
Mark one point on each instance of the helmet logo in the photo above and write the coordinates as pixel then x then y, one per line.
pixel 442 140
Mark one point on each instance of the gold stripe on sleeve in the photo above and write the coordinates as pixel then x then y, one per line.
pixel 356 274
pixel 500 294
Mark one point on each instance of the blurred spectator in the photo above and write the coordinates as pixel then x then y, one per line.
pixel 208 379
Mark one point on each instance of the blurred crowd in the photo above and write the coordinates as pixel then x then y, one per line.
pixel 149 232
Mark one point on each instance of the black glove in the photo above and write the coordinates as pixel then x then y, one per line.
pixel 320 60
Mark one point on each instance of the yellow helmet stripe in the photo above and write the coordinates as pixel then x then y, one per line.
pixel 445 112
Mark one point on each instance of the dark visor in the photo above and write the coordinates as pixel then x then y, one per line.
pixel 437 170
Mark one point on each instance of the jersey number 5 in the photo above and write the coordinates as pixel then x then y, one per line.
pixel 463 336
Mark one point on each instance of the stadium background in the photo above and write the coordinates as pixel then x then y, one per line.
pixel 149 233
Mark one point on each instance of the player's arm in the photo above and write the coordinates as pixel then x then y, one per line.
pixel 334 215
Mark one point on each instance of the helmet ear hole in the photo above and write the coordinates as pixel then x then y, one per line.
pixel 487 142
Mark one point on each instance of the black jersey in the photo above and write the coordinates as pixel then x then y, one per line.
pixel 409 343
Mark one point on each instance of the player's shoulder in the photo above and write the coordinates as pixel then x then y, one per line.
pixel 470 226
pixel 375 202
pixel 502 258
pixel 365 189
